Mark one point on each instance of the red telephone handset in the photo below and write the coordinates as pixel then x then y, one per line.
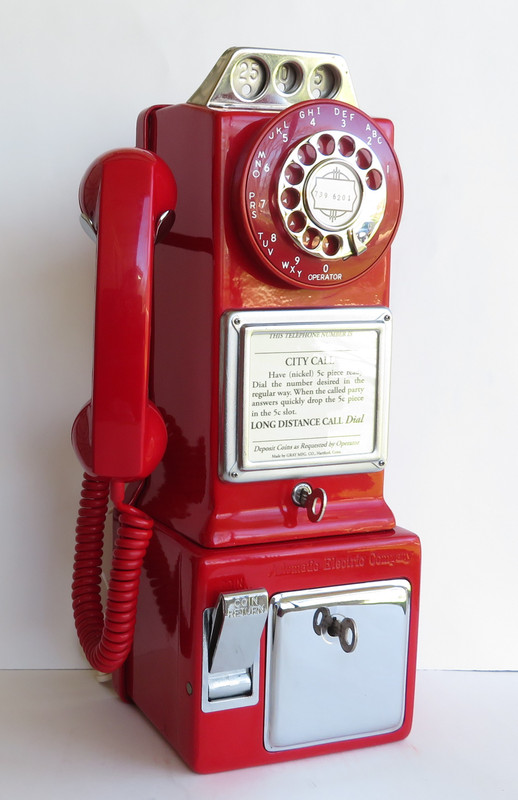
pixel 119 435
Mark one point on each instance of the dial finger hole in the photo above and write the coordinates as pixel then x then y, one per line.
pixel 307 154
pixel 346 146
pixel 290 198
pixel 326 144
pixel 294 174
pixel 311 238
pixel 364 158
pixel 331 245
pixel 374 179
pixel 296 222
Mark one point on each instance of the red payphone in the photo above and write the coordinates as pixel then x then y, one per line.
pixel 262 603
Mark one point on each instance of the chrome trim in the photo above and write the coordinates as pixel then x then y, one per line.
pixel 164 224
pixel 334 692
pixel 270 80
pixel 237 626
pixel 231 645
pixel 88 227
pixel 236 461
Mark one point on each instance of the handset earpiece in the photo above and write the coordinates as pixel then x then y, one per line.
pixel 119 433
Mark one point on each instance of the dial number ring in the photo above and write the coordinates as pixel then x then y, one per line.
pixel 298 157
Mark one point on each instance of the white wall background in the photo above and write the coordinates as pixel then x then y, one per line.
pixel 74 77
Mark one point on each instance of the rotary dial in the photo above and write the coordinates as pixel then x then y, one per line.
pixel 332 195
pixel 321 193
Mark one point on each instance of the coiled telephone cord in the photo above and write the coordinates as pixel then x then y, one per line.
pixel 106 638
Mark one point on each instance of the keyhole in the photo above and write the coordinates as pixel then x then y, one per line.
pixel 334 627
pixel 313 500
pixel 343 628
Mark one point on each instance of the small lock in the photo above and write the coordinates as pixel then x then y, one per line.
pixel 313 500
pixel 344 628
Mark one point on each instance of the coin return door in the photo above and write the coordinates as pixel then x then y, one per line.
pixel 231 640
pixel 336 663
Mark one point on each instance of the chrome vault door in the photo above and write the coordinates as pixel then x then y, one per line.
pixel 336 663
